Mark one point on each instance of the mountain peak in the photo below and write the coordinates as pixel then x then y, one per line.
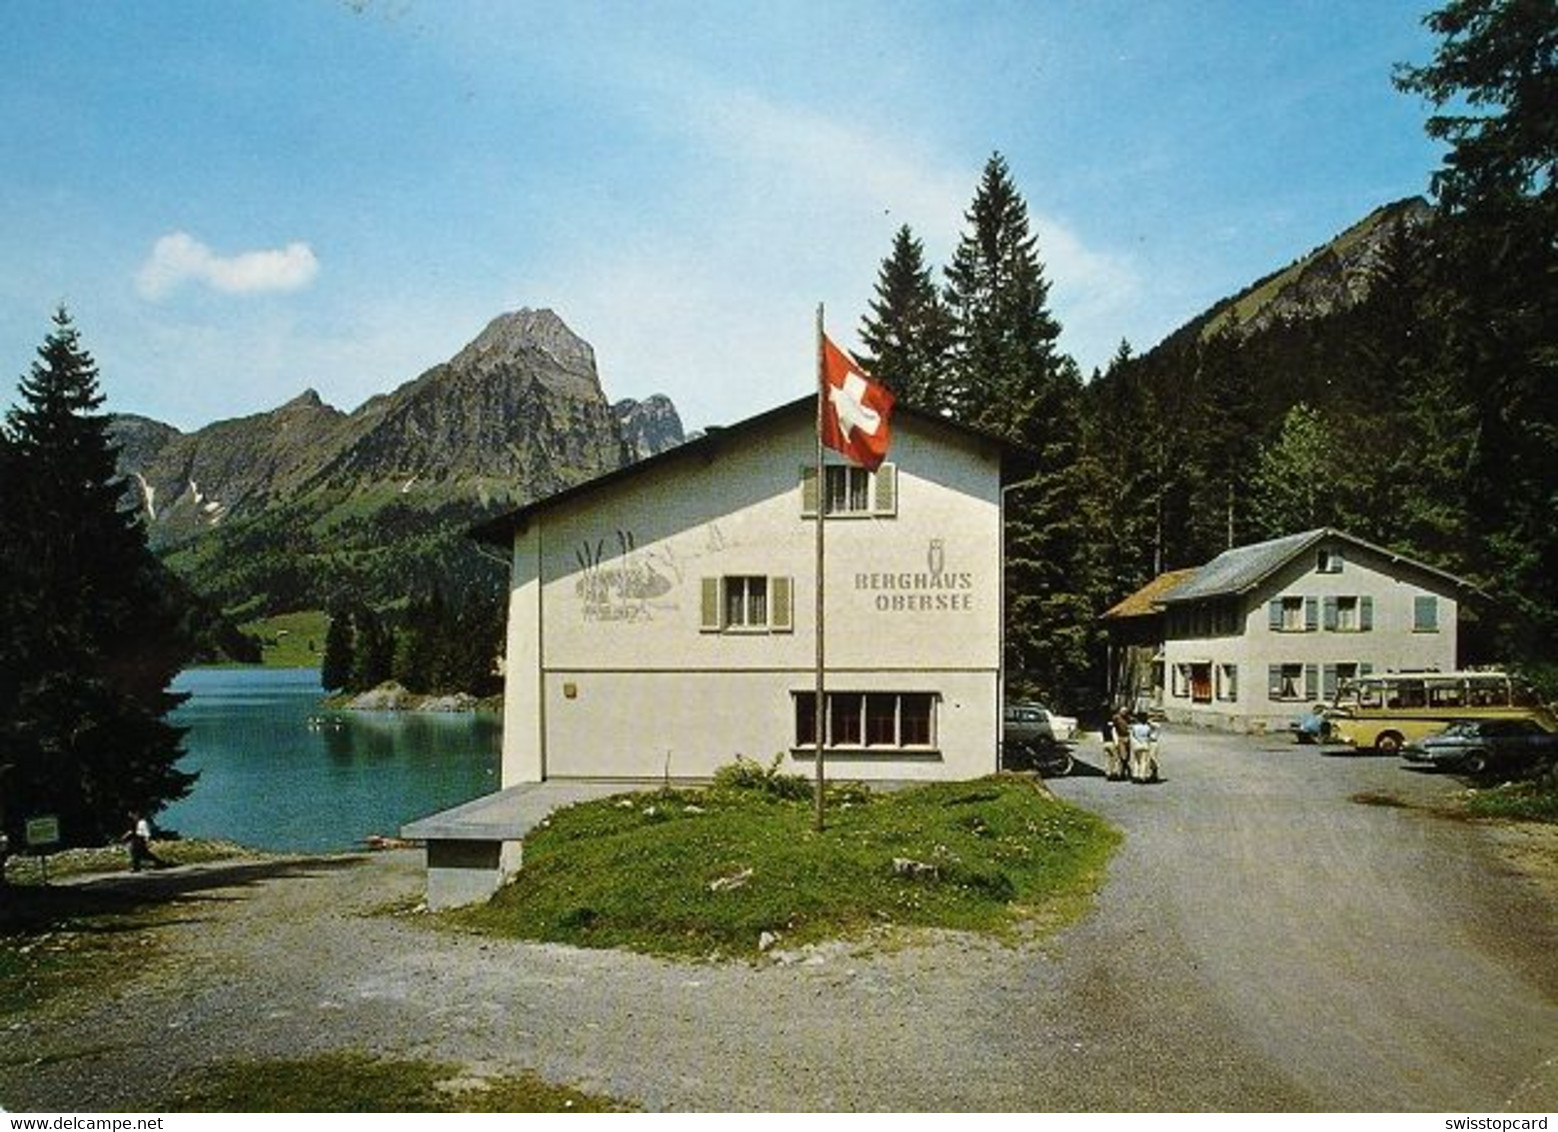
pixel 523 334
pixel 308 399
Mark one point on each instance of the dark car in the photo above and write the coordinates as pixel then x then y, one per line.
pixel 1476 745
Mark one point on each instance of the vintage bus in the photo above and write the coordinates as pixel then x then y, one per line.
pixel 1387 711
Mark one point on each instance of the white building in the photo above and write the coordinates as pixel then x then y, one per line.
pixel 662 619
pixel 1261 632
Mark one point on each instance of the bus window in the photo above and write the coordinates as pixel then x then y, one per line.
pixel 1365 693
pixel 1446 694
pixel 1405 694
pixel 1487 691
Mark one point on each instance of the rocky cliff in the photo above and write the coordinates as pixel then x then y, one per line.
pixel 648 427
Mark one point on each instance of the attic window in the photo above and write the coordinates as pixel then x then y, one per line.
pixel 1329 562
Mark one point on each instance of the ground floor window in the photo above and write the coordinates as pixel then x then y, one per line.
pixel 1228 682
pixel 1193 682
pixel 876 720
pixel 1293 682
pixel 1333 676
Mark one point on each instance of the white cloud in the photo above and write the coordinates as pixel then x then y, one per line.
pixel 178 258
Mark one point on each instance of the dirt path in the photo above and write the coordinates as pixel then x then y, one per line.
pixel 1264 943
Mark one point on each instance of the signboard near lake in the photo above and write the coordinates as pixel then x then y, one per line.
pixel 43 832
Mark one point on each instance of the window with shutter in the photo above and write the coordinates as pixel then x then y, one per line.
pixel 747 603
pixel 1287 682
pixel 846 490
pixel 1425 614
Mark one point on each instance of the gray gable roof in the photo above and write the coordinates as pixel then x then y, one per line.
pixel 1243 568
pixel 1016 461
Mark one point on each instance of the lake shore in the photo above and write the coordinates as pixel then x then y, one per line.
pixel 392 696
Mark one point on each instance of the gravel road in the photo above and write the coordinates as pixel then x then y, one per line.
pixel 1265 942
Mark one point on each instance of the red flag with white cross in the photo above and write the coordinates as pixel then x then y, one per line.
pixel 855 409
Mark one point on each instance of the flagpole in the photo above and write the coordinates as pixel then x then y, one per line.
pixel 820 714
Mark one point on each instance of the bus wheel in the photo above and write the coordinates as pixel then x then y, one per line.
pixel 1389 743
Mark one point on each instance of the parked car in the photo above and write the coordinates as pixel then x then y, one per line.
pixel 1035 738
pixel 1476 745
pixel 1033 722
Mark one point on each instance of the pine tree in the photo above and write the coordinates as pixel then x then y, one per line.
pixel 92 627
pixel 908 334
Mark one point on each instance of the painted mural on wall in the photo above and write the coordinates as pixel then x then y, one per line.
pixel 622 583
pixel 619 582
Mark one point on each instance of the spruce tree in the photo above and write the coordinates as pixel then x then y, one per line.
pixel 92 633
pixel 1008 376
pixel 1493 82
pixel 335 667
pixel 1010 379
pixel 908 334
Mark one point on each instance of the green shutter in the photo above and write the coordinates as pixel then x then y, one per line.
pixel 1274 613
pixel 1425 614
pixel 809 491
pixel 781 617
pixel 1274 681
pixel 1311 682
pixel 1311 614
pixel 1330 614
pixel 885 490
pixel 1328 682
pixel 1365 614
pixel 711 622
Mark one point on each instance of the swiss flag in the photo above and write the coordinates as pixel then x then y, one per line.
pixel 855 409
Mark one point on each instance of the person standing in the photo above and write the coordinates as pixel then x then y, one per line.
pixel 1117 755
pixel 1144 750
pixel 139 837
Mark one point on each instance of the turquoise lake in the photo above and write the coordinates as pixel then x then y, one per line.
pixel 278 772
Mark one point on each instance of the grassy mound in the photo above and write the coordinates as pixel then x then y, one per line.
pixel 709 872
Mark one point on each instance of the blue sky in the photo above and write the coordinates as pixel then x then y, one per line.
pixel 238 201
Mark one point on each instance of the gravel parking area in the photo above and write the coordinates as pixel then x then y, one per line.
pixel 1265 942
